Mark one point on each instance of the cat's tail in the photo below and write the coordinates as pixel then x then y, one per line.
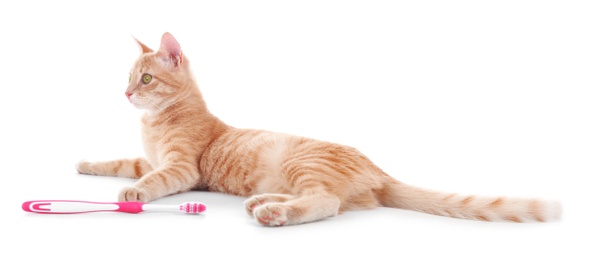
pixel 399 195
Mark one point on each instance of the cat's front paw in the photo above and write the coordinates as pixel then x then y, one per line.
pixel 83 167
pixel 271 214
pixel 134 194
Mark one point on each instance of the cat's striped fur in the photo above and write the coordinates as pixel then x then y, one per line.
pixel 289 179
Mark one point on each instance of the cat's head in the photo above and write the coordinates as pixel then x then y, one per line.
pixel 158 79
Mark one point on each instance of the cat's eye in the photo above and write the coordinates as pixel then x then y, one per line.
pixel 146 78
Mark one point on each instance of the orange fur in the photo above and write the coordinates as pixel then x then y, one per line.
pixel 289 179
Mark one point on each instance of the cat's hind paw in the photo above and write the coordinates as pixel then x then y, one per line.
pixel 252 203
pixel 271 214
pixel 258 200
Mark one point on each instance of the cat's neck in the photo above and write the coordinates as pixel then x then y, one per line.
pixel 191 107
pixel 190 102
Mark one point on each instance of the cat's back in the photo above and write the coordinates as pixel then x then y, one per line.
pixel 249 149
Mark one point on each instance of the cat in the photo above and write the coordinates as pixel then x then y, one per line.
pixel 289 179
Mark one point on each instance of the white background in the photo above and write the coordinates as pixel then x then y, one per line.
pixel 475 97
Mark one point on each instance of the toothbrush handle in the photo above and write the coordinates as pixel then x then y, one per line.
pixel 76 206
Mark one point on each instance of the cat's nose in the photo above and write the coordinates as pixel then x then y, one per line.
pixel 128 94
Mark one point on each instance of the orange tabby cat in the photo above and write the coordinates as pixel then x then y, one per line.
pixel 290 179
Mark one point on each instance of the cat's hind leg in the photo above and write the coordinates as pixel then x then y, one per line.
pixel 130 168
pixel 302 209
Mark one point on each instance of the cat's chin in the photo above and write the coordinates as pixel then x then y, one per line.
pixel 139 105
pixel 150 110
pixel 144 108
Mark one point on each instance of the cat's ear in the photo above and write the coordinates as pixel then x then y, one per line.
pixel 143 48
pixel 170 50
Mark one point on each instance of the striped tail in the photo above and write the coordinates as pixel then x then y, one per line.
pixel 399 195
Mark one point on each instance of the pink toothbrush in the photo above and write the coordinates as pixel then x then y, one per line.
pixel 74 206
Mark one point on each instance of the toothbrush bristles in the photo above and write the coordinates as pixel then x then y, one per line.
pixel 192 207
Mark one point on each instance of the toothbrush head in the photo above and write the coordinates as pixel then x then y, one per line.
pixel 192 207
